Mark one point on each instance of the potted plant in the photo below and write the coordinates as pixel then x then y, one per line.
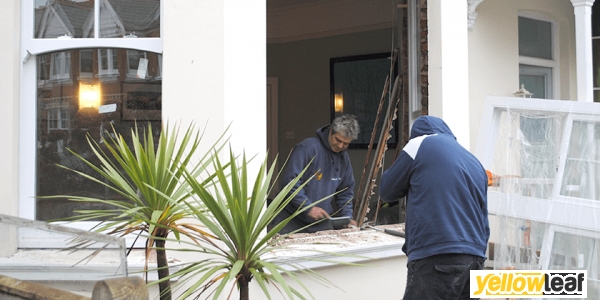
pixel 236 212
pixel 148 176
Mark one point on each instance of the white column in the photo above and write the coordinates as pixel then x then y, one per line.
pixel 449 65
pixel 245 74
pixel 583 46
pixel 214 67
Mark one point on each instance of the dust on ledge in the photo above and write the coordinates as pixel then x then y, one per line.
pixel 332 240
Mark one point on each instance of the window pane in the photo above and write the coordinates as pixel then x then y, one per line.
pixel 582 167
pixel 85 62
pixel 135 61
pixel 574 252
pixel 64 18
pixel 596 62
pixel 596 19
pixel 139 18
pixel 537 80
pixel 65 121
pixel 535 38
pixel 118 18
pixel 526 152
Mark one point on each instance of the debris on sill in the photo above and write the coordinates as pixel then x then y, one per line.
pixel 329 240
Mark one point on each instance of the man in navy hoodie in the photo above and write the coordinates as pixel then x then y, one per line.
pixel 333 173
pixel 447 227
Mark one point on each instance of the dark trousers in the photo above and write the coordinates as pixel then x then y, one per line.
pixel 444 276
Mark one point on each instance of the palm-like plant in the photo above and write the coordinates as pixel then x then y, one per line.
pixel 236 212
pixel 149 179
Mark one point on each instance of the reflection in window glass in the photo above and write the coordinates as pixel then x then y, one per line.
pixel 526 152
pixel 108 62
pixel 136 64
pixel 65 120
pixel 86 64
pixel 118 18
pixel 575 252
pixel 136 18
pixel 60 65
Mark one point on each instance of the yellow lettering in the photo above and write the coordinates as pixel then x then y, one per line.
pixel 519 284
pixel 535 283
pixel 481 283
pixel 494 283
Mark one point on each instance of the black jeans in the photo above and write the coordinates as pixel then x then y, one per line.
pixel 444 276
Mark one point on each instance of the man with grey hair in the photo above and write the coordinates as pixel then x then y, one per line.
pixel 332 172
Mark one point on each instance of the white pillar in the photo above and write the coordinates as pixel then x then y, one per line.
pixel 583 46
pixel 245 70
pixel 449 66
pixel 215 70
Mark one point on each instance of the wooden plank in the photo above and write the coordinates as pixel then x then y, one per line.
pixel 130 288
pixel 33 291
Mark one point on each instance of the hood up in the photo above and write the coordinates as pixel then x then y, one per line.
pixel 323 134
pixel 427 125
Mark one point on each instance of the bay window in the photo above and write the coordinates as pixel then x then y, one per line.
pixel 77 56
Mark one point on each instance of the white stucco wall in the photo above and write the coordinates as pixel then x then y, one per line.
pixel 494 52
pixel 9 109
pixel 382 279
pixel 215 69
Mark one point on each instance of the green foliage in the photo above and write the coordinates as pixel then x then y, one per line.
pixel 148 176
pixel 238 215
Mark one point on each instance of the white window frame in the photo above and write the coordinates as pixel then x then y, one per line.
pixel 559 209
pixel 545 255
pixel 30 48
pixel 548 63
pixel 59 116
pixel 111 72
pixel 560 213
pixel 60 66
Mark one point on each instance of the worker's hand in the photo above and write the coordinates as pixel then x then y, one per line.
pixel 318 213
pixel 352 224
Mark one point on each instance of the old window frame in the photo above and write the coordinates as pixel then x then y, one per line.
pixel 561 213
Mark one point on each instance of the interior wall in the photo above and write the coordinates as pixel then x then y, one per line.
pixel 302 69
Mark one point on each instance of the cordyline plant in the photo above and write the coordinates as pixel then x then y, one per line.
pixel 236 212
pixel 149 177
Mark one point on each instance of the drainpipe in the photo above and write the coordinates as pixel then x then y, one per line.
pixel 583 46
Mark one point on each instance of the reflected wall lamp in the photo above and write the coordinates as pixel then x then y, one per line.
pixel 89 96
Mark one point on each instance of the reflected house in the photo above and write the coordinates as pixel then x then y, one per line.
pixel 117 18
pixel 87 92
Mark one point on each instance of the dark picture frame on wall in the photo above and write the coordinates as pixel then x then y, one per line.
pixel 356 84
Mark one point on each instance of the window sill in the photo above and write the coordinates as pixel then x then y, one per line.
pixel 317 250
pixel 329 248
pixel 65 265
